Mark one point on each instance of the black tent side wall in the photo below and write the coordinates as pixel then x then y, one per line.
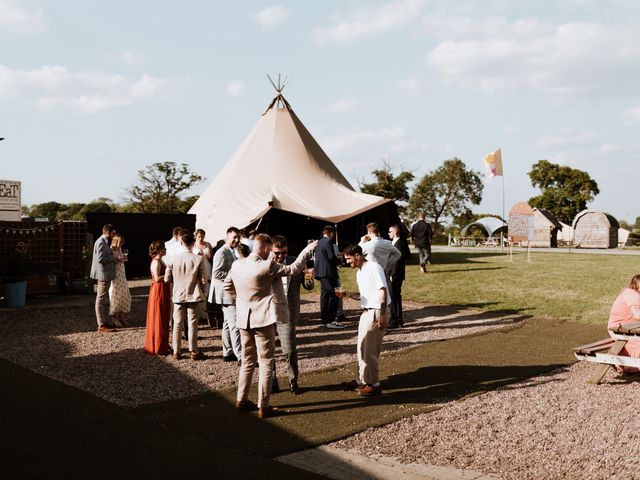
pixel 139 230
pixel 299 228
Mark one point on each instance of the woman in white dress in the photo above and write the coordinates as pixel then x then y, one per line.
pixel 119 295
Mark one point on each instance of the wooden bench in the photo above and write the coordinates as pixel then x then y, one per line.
pixel 607 352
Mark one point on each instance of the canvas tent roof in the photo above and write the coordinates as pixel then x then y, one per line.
pixel 491 225
pixel 280 166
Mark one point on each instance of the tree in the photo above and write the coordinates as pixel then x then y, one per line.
pixel 160 186
pixel 624 224
pixel 447 191
pixel 565 190
pixel 389 186
pixel 48 210
pixel 636 226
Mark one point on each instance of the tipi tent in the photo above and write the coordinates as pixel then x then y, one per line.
pixel 281 181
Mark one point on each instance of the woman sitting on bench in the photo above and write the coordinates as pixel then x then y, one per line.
pixel 626 309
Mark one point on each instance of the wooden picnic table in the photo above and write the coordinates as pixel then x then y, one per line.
pixel 607 352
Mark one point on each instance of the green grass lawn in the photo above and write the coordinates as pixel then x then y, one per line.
pixel 569 286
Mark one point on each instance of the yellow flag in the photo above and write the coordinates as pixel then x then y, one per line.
pixel 493 164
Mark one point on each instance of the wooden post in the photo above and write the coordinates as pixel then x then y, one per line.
pixel 602 370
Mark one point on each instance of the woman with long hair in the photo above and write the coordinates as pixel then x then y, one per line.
pixel 158 305
pixel 119 295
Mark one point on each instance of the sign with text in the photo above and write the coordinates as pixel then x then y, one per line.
pixel 521 222
pixel 10 200
pixel 521 227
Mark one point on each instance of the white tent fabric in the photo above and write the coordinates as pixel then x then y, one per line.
pixel 278 165
pixel 491 225
pixel 566 234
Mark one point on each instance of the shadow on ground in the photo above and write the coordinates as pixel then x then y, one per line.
pixel 415 380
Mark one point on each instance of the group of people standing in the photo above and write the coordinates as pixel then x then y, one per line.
pixel 257 285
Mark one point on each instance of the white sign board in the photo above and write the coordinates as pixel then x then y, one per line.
pixel 10 200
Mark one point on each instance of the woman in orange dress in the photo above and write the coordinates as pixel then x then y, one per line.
pixel 159 305
pixel 626 309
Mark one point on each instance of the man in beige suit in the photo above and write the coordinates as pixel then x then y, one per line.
pixel 252 280
pixel 189 276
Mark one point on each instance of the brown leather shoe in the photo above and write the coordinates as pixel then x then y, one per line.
pixel 106 329
pixel 370 391
pixel 177 356
pixel 351 386
pixel 246 405
pixel 198 356
pixel 267 412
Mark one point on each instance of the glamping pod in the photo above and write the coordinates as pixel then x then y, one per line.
pixel 593 229
pixel 545 229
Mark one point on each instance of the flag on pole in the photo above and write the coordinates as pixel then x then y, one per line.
pixel 493 164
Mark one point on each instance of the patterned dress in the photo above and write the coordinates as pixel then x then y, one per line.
pixel 119 295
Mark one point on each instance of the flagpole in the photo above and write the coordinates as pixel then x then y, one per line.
pixel 502 233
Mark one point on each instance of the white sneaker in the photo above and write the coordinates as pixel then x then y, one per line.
pixel 335 325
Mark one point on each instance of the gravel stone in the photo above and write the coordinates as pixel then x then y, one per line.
pixel 62 343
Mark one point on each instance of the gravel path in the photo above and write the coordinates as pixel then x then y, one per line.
pixel 553 426
pixel 62 343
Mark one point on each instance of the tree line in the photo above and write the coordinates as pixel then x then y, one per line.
pixel 446 192
pixel 452 189
pixel 160 188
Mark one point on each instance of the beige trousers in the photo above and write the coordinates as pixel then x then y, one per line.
pixel 258 348
pixel 186 312
pixel 369 346
pixel 102 298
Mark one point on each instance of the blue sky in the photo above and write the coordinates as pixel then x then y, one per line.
pixel 91 92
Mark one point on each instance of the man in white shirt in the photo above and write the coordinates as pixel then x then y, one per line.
pixel 174 245
pixel 375 300
pixel 378 249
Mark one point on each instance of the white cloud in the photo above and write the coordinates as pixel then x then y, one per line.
pixel 529 56
pixel 234 88
pixel 130 58
pixel 52 87
pixel 392 142
pixel 569 138
pixel 631 116
pixel 411 87
pixel 21 16
pixel 345 28
pixel 346 142
pixel 271 16
pixel 343 105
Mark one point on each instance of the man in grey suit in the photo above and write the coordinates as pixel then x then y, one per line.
pixel 251 280
pixel 103 269
pixel 222 261
pixel 287 289
pixel 189 276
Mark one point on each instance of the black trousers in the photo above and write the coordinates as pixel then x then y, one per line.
pixel 328 299
pixel 395 291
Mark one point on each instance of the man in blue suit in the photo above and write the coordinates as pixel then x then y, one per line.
pixel 325 269
pixel 103 269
